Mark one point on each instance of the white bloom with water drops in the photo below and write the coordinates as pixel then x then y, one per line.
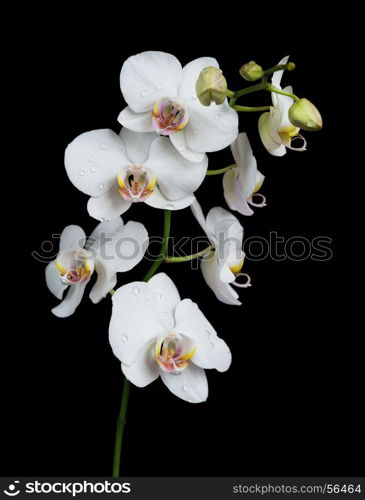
pixel 221 267
pixel 161 97
pixel 118 170
pixel 156 334
pixel 112 247
pixel 242 183
pixel 276 130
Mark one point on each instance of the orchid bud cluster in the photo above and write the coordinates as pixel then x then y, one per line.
pixel 174 116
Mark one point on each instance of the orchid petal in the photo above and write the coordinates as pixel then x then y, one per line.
pixel 93 159
pixel 149 76
pixel 211 351
pixel 109 206
pixel 177 177
pixel 137 145
pixel 138 122
pixel 144 370
pixel 69 304
pixel 211 128
pixel 53 280
pixel 191 384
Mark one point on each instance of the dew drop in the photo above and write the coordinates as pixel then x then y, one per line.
pixel 82 172
pixel 136 290
pixel 101 186
pixel 124 338
pixel 90 158
pixel 190 400
pixel 181 148
pixel 208 333
pixel 211 344
pixel 158 296
pixel 193 96
pixel 195 131
pixel 94 169
pixel 159 87
pixel 217 116
pixel 102 219
pixel 185 388
pixel 103 145
pixel 144 93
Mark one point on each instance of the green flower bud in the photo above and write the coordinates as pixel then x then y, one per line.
pixel 305 115
pixel 211 86
pixel 251 71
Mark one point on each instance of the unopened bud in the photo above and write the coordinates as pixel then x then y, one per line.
pixel 305 115
pixel 290 66
pixel 251 71
pixel 211 86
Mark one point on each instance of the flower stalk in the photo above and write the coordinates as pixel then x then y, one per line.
pixel 221 170
pixel 186 258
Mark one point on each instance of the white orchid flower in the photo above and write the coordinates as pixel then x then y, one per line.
pixel 276 130
pixel 117 171
pixel 161 97
pixel 221 267
pixel 155 333
pixel 242 183
pixel 112 248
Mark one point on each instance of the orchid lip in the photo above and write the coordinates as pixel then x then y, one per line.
pixel 260 204
pixel 169 115
pixel 246 284
pixel 136 183
pixel 173 353
pixel 75 266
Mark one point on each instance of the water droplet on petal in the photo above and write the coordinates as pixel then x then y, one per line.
pixel 195 131
pixel 90 158
pixel 102 219
pixel 193 96
pixel 190 400
pixel 124 338
pixel 144 93
pixel 101 186
pixel 181 148
pixel 103 145
pixel 211 344
pixel 82 172
pixel 209 333
pixel 94 169
pixel 148 302
pixel 136 290
pixel 159 87
pixel 158 296
pixel 217 116
pixel 185 388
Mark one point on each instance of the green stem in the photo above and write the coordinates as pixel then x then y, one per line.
pixel 250 109
pixel 249 90
pixel 121 421
pixel 166 233
pixel 230 93
pixel 271 88
pixel 221 170
pixel 272 70
pixel 186 258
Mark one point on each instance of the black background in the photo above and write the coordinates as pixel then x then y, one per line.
pixel 289 403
